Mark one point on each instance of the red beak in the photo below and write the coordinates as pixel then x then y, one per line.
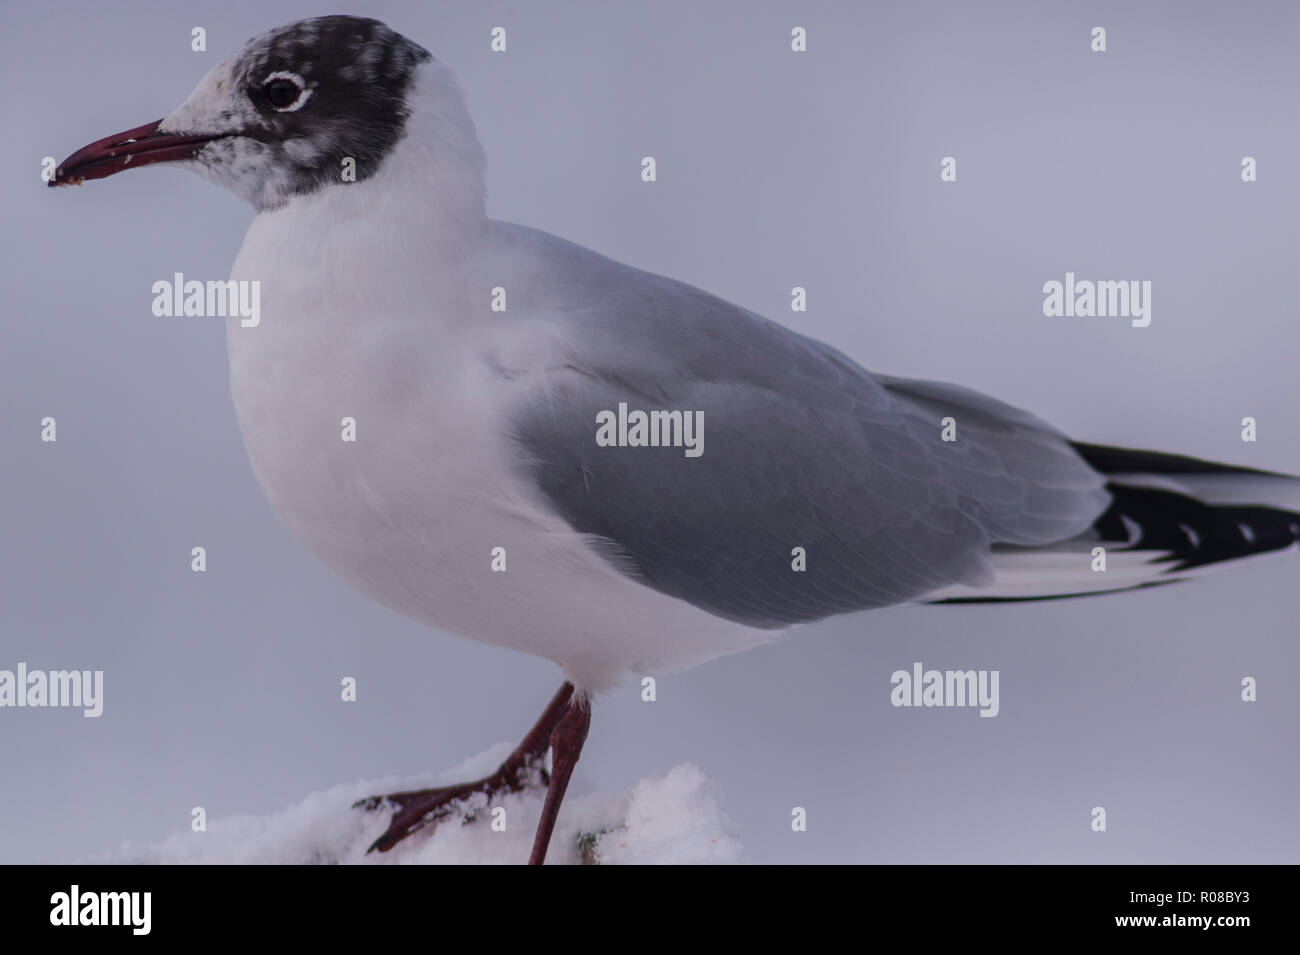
pixel 142 146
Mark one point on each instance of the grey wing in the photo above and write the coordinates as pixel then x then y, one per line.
pixel 802 448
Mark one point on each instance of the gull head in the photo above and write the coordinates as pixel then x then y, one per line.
pixel 301 108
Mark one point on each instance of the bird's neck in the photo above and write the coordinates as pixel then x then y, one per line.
pixel 439 160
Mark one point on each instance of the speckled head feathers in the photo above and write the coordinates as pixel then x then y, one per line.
pixel 302 106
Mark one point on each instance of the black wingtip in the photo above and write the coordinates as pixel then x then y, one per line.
pixel 1109 459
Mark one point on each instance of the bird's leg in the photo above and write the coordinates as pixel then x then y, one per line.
pixel 421 807
pixel 566 746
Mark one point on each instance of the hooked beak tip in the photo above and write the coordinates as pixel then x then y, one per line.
pixel 141 146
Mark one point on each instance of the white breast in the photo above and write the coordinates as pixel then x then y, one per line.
pixel 366 315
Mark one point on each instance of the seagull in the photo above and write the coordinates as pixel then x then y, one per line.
pixel 561 454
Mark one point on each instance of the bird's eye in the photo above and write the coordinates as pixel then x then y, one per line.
pixel 282 93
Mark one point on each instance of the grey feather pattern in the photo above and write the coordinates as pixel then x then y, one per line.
pixel 803 448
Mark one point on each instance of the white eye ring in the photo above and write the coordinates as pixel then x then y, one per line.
pixel 304 93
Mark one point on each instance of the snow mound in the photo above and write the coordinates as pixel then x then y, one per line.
pixel 673 819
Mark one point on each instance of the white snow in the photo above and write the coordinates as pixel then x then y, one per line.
pixel 676 818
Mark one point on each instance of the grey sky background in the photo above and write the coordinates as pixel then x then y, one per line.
pixel 775 169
